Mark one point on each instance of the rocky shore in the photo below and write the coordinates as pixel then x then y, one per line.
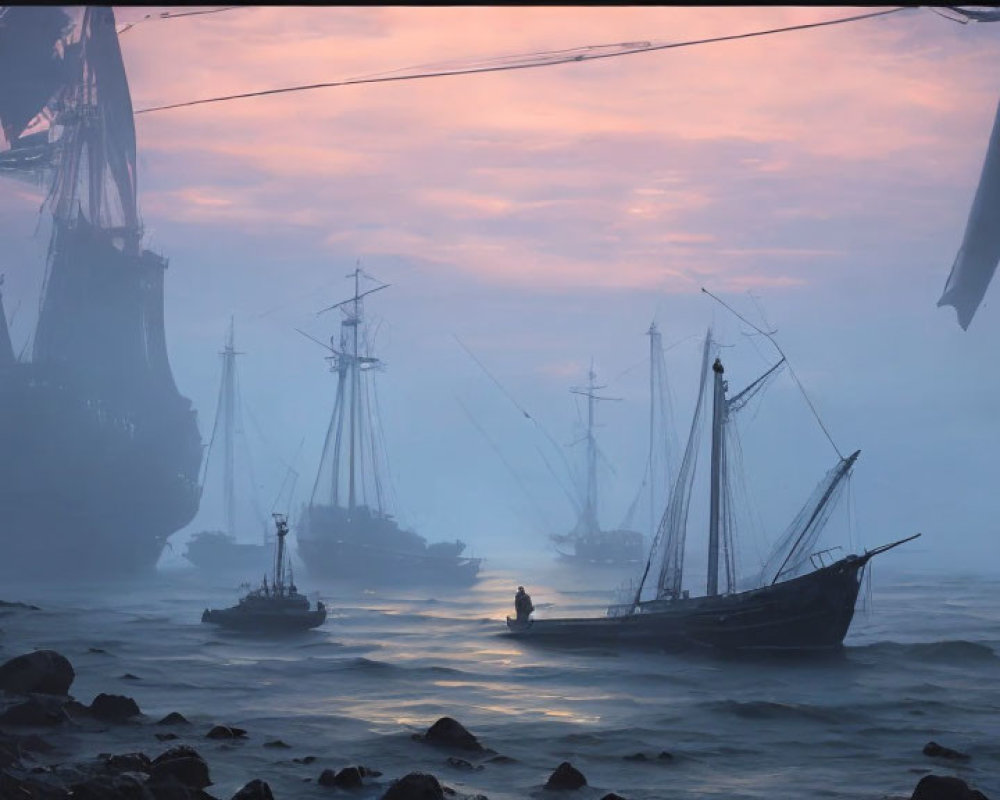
pixel 36 708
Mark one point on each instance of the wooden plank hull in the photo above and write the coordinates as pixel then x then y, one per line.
pixel 811 612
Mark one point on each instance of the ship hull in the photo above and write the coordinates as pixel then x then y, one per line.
pixel 356 562
pixel 236 619
pixel 812 612
pixel 220 556
pixel 603 548
pixel 374 550
pixel 86 492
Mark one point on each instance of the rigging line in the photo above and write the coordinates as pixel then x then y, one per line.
pixel 514 473
pixel 770 338
pixel 519 407
pixel 643 47
pixel 170 15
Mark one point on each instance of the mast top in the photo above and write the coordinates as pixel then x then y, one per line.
pixel 717 367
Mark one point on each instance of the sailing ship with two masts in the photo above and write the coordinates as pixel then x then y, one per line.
pixel 790 606
pixel 346 532
pixel 588 543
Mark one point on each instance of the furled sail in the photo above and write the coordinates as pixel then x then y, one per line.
pixel 673 526
pixel 980 251
pixel 796 544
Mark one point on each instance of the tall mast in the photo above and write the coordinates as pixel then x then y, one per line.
pixel 588 519
pixel 654 346
pixel 355 380
pixel 718 415
pixel 229 430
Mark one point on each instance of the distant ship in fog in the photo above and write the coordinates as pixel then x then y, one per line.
pixel 346 531
pixel 100 451
pixel 221 551
pixel 588 543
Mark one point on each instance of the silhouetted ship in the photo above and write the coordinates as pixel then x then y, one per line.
pixel 219 551
pixel 788 608
pixel 588 543
pixel 275 607
pixel 346 533
pixel 100 451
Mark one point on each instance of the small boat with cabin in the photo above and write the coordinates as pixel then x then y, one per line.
pixel 275 607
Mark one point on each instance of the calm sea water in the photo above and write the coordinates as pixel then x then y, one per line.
pixel 921 663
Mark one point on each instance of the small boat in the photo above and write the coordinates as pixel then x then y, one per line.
pixel 788 607
pixel 274 607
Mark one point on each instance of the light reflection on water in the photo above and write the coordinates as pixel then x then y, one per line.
pixel 387 663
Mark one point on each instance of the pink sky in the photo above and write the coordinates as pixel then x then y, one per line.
pixel 545 216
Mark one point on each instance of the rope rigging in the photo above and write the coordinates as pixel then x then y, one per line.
pixel 526 61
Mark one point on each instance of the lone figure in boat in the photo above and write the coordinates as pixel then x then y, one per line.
pixel 522 604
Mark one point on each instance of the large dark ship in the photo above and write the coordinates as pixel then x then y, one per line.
pixel 802 599
pixel 346 531
pixel 100 451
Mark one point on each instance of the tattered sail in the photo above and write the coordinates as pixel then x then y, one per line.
pixel 796 544
pixel 980 251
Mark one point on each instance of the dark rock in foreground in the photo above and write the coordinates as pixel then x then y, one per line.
pixel 447 732
pixel 942 787
pixel 255 790
pixel 173 718
pixel 43 671
pixel 566 776
pixel 114 707
pixel 38 710
pixel 415 786
pixel 184 764
pixel 612 796
pixel 936 750
pixel 226 732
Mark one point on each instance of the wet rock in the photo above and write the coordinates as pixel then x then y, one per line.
pixel 415 786
pixel 935 750
pixel 348 778
pixel 255 790
pixel 276 743
pixel 461 763
pixel 943 787
pixel 182 763
pixel 6 604
pixel 447 732
pixel 114 707
pixel 304 760
pixel 128 762
pixel 165 737
pixel 15 787
pixel 566 776
pixel 43 671
pixel 128 676
pixel 226 732
pixel 665 756
pixel 502 760
pixel 112 787
pixel 612 796
pixel 636 757
pixel 173 718
pixel 36 711
pixel 97 650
